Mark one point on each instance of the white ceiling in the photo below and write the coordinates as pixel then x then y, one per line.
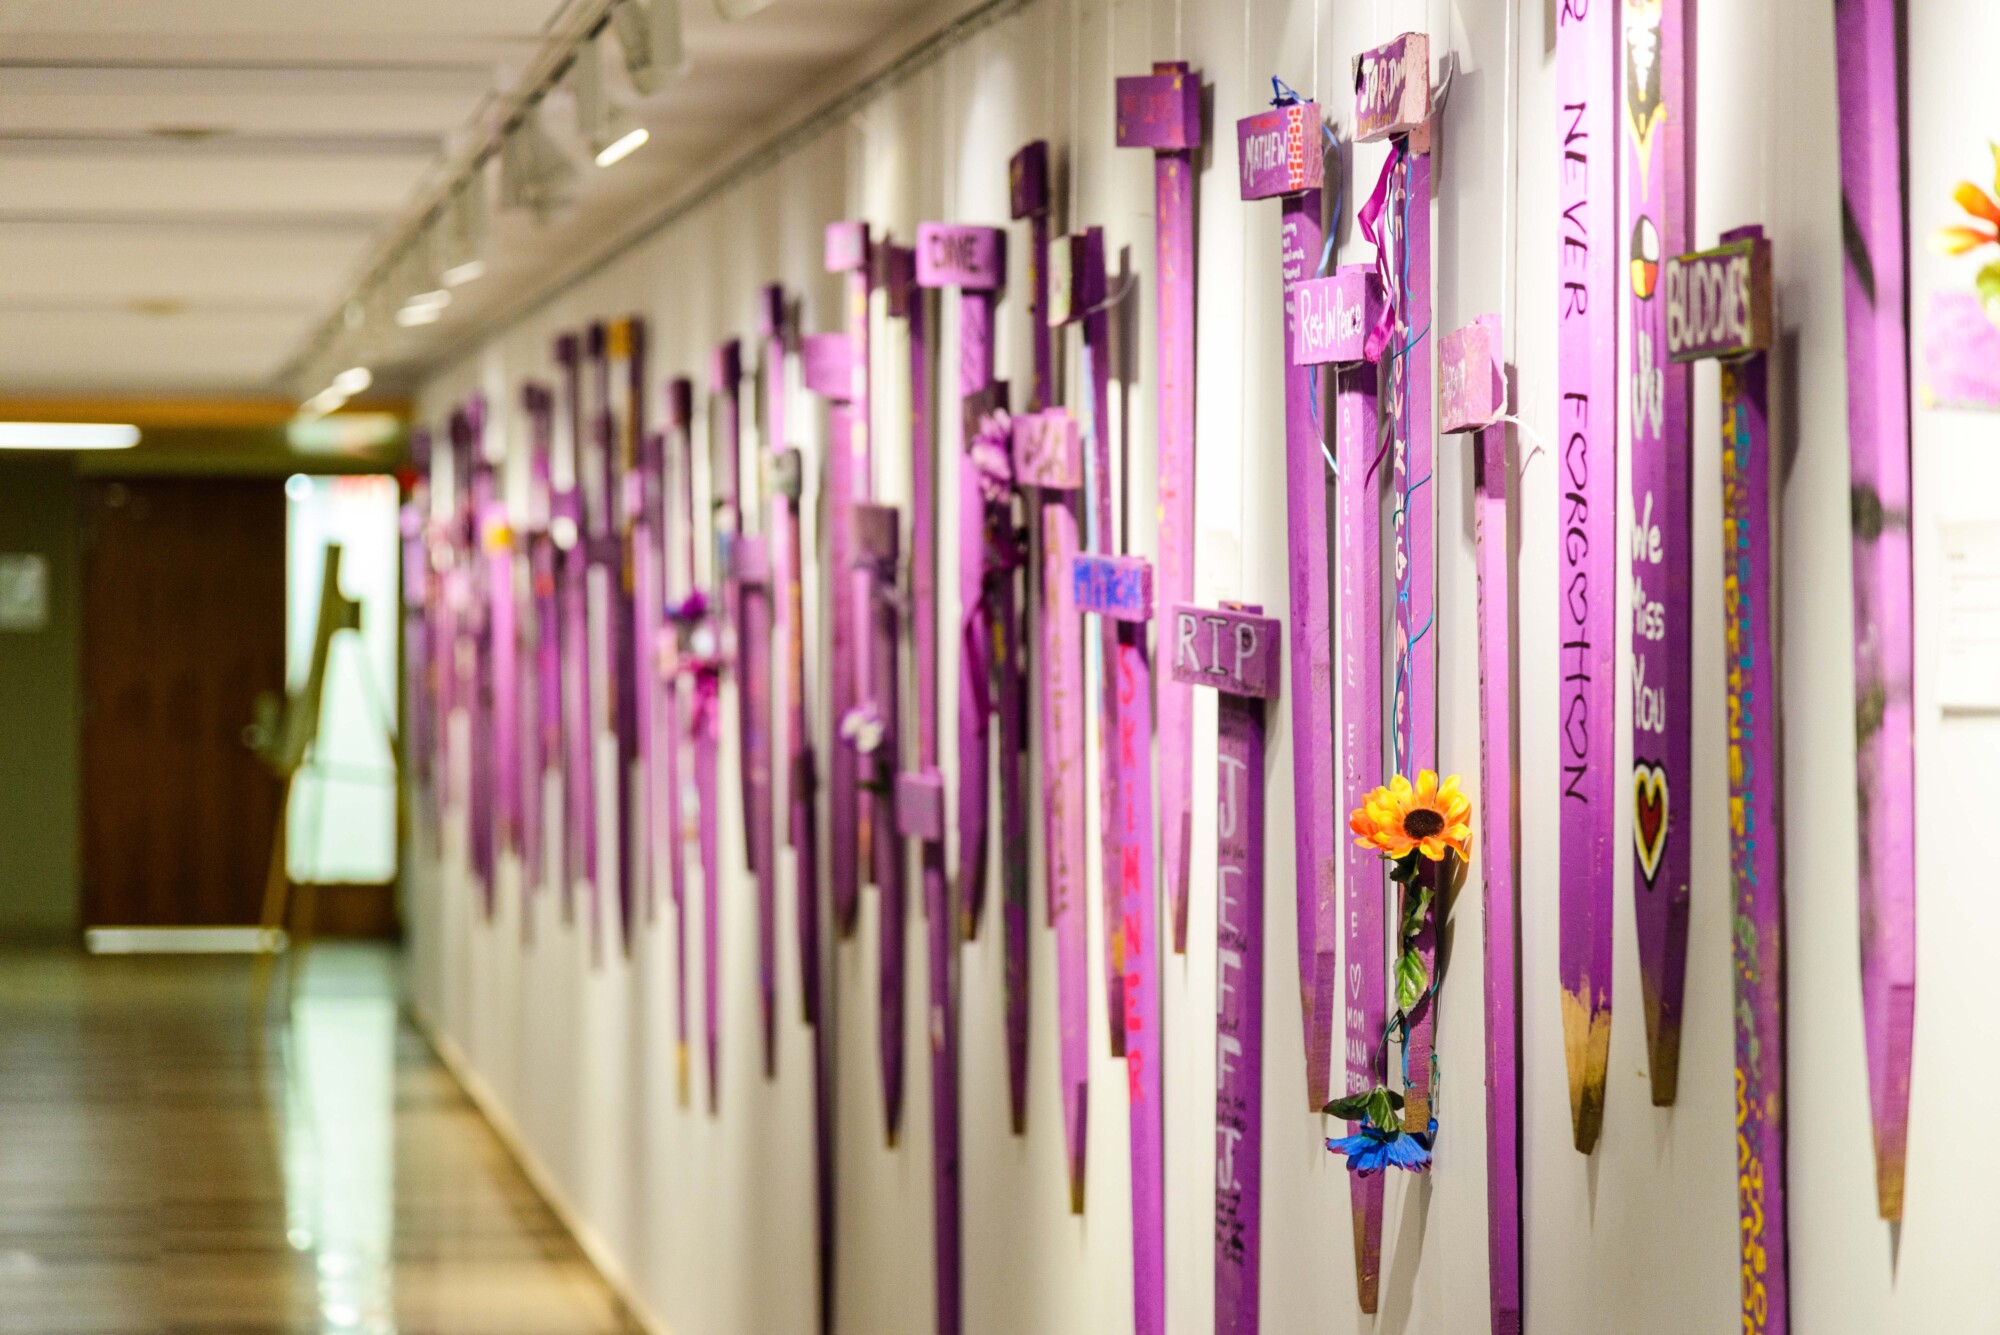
pixel 189 188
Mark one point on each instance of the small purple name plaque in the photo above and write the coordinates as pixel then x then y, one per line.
pixel 846 247
pixel 1277 151
pixel 964 257
pixel 1229 650
pixel 1334 316
pixel 1719 301
pixel 1471 386
pixel 1048 452
pixel 1161 110
pixel 1119 587
pixel 1392 88
pixel 1028 181
pixel 828 364
pixel 920 805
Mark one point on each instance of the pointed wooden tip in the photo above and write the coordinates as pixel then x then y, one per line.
pixel 1076 1195
pixel 1019 1120
pixel 892 1137
pixel 1367 1261
pixel 1889 1188
pixel 1663 1051
pixel 681 1072
pixel 1587 1049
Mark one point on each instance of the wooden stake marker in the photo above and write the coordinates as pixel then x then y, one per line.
pixel 1235 651
pixel 1719 305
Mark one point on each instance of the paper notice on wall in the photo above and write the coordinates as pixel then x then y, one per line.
pixel 24 591
pixel 1969 676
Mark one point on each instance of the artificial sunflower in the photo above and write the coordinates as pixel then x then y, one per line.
pixel 1427 818
pixel 1982 214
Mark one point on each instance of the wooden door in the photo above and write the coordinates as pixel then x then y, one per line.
pixel 183 625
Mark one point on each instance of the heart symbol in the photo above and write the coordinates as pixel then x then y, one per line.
pixel 1649 826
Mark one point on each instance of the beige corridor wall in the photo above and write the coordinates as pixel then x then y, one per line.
pixel 709 1220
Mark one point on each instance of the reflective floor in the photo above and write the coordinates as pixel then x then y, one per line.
pixel 162 1174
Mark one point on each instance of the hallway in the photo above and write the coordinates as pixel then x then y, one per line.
pixel 159 1175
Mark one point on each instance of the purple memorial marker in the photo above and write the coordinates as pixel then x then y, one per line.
pixel 496 545
pixel 725 474
pixel 1236 651
pixel 646 493
pixel 750 572
pixel 1391 101
pixel 625 349
pixel 788 477
pixel 479 512
pixel 1048 457
pixel 920 799
pixel 749 579
pixel 847 251
pixel 1278 153
pixel 417 658
pixel 604 556
pixel 1336 315
pixel 1870 37
pixel 1587 54
pixel 973 260
pixel 1473 398
pixel 1719 305
pixel 677 530
pixel 1077 296
pixel 1120 589
pixel 567 530
pixel 870 730
pixel 1162 112
pixel 827 362
pixel 541 688
pixel 1658 198
pixel 1028 197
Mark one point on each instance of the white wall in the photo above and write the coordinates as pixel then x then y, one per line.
pixel 711 1219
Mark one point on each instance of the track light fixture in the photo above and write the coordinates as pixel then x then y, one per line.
pixel 535 172
pixel 649 34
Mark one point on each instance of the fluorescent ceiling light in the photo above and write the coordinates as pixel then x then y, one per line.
pixel 343 434
pixel 67 436
pixel 622 147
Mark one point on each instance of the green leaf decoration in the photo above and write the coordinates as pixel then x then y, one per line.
pixel 1404 869
pixel 1411 979
pixel 1416 903
pixel 1382 1106
pixel 1350 1107
pixel 1988 283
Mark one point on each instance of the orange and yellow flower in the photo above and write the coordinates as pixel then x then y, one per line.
pixel 1427 818
pixel 1982 216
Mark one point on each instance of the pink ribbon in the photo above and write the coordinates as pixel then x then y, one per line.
pixel 1372 226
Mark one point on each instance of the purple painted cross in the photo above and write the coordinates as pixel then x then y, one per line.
pixel 1336 316
pixel 1741 268
pixel 1120 590
pixel 1473 392
pixel 1278 152
pixel 1162 112
pixel 1048 458
pixel 1235 651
